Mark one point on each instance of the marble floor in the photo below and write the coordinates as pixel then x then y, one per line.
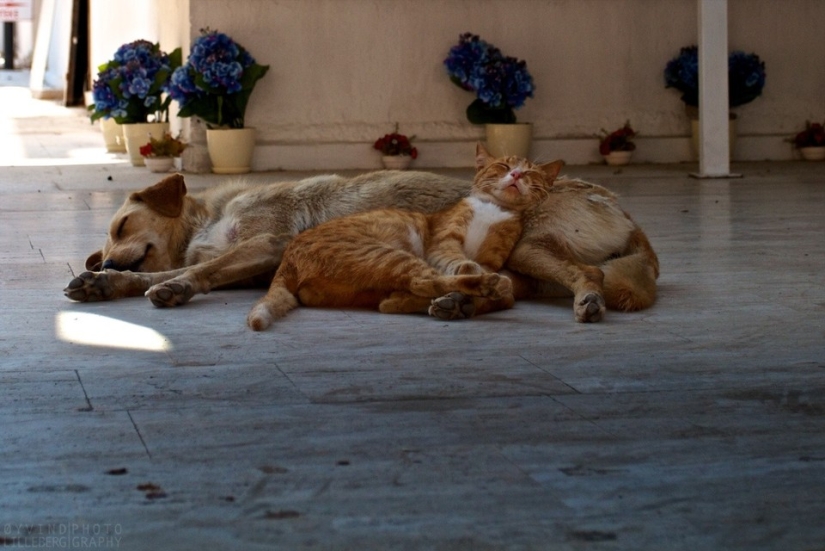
pixel 696 424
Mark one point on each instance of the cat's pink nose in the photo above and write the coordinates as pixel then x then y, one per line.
pixel 516 174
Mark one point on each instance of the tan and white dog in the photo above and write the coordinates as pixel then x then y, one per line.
pixel 170 245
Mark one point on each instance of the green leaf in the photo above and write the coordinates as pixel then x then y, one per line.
pixel 204 107
pixel 253 74
pixel 175 58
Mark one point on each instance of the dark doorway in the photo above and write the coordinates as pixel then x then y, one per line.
pixel 77 79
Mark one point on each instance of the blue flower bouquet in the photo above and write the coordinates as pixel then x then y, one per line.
pixel 130 87
pixel 216 81
pixel 746 77
pixel 501 83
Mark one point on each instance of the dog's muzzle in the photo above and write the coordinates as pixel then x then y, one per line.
pixel 110 264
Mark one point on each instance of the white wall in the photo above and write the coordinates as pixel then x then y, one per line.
pixel 344 71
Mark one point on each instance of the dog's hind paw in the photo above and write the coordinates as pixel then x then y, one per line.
pixel 90 287
pixel 452 306
pixel 170 293
pixel 589 309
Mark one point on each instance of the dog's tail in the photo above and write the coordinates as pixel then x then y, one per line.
pixel 630 279
pixel 274 305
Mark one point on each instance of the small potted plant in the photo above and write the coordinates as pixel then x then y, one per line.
pixel 159 154
pixel 130 89
pixel 617 147
pixel 215 84
pixel 397 151
pixel 811 142
pixel 501 84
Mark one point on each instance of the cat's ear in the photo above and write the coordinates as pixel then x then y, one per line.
pixel 483 157
pixel 551 170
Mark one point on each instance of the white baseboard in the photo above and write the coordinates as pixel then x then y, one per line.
pixel 460 154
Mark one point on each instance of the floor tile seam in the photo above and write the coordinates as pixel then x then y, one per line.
pixel 286 376
pixel 548 372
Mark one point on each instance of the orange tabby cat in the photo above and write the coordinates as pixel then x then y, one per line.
pixel 399 261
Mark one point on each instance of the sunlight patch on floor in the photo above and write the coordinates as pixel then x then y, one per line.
pixel 91 156
pixel 36 133
pixel 97 330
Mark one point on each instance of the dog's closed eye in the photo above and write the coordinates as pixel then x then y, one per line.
pixel 119 231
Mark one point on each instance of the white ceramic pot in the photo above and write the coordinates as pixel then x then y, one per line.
pixel 618 158
pixel 112 136
pixel 504 140
pixel 812 153
pixel 396 162
pixel 230 149
pixel 159 164
pixel 137 135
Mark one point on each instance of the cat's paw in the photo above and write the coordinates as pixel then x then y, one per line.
pixel 259 317
pixel 589 309
pixel 504 288
pixel 495 286
pixel 468 267
pixel 452 306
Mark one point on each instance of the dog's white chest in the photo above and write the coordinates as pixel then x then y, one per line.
pixel 484 215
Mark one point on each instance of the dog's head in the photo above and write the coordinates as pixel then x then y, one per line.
pixel 145 232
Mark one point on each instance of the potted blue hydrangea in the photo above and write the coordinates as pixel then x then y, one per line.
pixel 130 88
pixel 746 80
pixel 746 77
pixel 501 84
pixel 216 81
pixel 215 84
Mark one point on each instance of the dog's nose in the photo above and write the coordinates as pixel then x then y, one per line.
pixel 109 265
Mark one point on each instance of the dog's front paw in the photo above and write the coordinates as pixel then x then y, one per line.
pixel 589 309
pixel 452 306
pixel 90 287
pixel 170 293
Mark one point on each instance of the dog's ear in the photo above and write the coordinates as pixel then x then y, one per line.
pixel 483 157
pixel 95 261
pixel 165 197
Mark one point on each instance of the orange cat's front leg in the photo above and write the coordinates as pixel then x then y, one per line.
pixel 448 257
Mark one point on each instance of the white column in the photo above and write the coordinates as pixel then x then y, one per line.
pixel 714 153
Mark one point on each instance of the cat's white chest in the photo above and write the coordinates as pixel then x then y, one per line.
pixel 485 214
